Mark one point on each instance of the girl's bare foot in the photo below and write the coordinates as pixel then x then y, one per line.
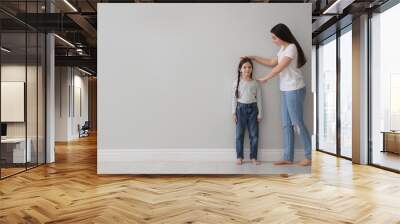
pixel 255 162
pixel 305 162
pixel 283 162
pixel 239 161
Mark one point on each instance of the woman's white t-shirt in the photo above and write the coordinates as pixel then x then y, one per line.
pixel 290 77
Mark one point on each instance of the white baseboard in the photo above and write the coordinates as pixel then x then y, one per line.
pixel 131 160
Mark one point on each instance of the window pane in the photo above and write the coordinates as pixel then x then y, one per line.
pixel 327 97
pixel 346 94
pixel 14 153
pixel 385 87
pixel 31 101
pixel 41 98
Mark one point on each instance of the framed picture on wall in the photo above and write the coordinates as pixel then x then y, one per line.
pixel 12 101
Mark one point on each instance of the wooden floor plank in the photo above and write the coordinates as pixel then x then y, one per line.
pixel 70 191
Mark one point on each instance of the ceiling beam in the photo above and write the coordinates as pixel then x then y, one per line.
pixel 337 7
pixel 85 61
pixel 84 24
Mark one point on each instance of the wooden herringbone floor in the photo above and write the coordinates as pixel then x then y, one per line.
pixel 70 191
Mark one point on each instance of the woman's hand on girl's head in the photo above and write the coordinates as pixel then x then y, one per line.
pixel 249 57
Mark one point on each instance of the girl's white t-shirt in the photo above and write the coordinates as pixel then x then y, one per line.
pixel 290 77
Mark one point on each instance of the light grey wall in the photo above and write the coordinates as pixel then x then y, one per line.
pixel 66 121
pixel 165 72
pixel 62 80
pixel 80 83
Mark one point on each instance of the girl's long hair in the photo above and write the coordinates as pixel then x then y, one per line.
pixel 241 63
pixel 283 32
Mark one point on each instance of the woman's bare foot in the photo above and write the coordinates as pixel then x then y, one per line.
pixel 283 162
pixel 239 161
pixel 255 162
pixel 305 162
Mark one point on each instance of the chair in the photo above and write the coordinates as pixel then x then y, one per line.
pixel 84 130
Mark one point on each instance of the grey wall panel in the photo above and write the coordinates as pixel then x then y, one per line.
pixel 165 72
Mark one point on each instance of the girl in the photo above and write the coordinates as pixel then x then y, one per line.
pixel 287 64
pixel 246 109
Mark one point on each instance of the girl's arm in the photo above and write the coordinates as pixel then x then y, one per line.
pixel 276 70
pixel 265 61
pixel 234 101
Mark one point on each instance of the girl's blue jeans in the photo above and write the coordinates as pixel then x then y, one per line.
pixel 246 118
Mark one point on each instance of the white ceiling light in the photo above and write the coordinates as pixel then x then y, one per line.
pixel 65 41
pixel 5 49
pixel 70 5
pixel 338 6
pixel 84 71
pixel 79 51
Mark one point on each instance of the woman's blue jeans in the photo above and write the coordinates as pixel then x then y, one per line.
pixel 292 118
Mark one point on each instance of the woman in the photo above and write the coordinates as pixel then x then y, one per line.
pixel 287 64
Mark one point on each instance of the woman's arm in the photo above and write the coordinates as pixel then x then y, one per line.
pixel 265 61
pixel 276 70
pixel 259 103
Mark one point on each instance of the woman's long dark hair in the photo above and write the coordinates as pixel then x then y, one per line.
pixel 241 63
pixel 283 32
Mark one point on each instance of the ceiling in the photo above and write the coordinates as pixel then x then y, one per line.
pixel 76 22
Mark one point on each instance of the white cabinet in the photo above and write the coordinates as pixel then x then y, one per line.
pixel 18 149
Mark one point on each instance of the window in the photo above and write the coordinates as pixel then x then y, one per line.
pixel 22 65
pixel 327 96
pixel 346 93
pixel 385 89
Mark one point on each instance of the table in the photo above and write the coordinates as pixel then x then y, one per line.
pixel 17 150
pixel 391 141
